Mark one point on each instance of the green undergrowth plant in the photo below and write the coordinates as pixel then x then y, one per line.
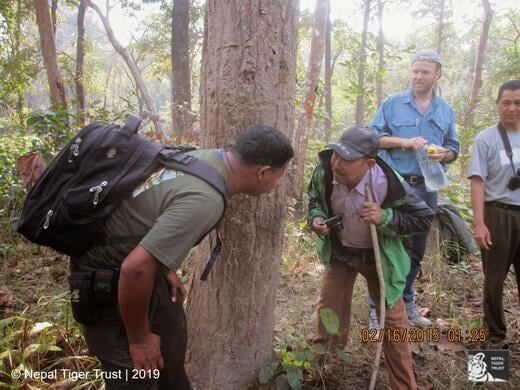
pixel 42 346
pixel 302 360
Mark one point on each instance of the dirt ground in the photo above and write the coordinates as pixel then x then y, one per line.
pixel 450 295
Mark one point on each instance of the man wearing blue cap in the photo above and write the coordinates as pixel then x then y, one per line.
pixel 337 189
pixel 406 122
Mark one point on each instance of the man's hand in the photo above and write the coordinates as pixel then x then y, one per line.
pixel 482 236
pixel 413 143
pixel 439 155
pixel 320 227
pixel 177 289
pixel 146 354
pixel 372 213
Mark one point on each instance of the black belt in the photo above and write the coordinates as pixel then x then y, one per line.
pixel 414 179
pixel 500 205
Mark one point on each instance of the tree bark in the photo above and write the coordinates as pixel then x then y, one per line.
pixel 360 100
pixel 301 136
pixel 477 80
pixel 50 58
pixel 247 77
pixel 381 53
pixel 328 80
pixel 80 57
pixel 141 85
pixel 54 15
pixel 20 102
pixel 181 76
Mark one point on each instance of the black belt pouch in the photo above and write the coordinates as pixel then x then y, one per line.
pixel 84 309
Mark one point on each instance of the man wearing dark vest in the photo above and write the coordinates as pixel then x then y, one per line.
pixel 338 188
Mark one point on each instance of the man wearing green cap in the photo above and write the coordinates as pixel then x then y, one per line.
pixel 337 188
pixel 406 122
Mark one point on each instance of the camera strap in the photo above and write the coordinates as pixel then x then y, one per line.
pixel 507 145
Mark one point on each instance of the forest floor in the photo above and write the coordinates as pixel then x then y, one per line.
pixel 449 294
pixel 33 296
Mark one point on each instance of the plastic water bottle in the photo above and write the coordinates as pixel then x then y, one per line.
pixel 433 173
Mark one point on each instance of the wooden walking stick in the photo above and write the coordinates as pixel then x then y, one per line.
pixel 377 255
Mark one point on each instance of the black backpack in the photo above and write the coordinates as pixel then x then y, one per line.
pixel 91 175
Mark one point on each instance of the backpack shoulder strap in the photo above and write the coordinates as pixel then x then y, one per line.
pixel 176 159
pixel 132 124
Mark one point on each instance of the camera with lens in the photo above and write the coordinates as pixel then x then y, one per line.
pixel 335 223
pixel 514 182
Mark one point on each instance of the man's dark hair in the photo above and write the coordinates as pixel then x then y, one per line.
pixel 511 85
pixel 263 145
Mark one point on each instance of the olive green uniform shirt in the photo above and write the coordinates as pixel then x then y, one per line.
pixel 171 211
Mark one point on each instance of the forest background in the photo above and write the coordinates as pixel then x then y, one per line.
pixel 65 63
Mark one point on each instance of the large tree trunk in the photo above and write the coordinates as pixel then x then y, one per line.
pixel 381 52
pixel 50 59
pixel 301 136
pixel 477 81
pixel 80 57
pixel 440 25
pixel 247 77
pixel 180 53
pixel 328 80
pixel 141 85
pixel 360 100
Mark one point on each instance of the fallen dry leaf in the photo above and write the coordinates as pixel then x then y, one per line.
pixel 30 169
pixel 442 324
pixel 445 346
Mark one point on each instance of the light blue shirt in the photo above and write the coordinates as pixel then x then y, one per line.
pixel 399 116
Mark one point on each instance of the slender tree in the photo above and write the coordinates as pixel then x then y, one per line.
pixel 247 77
pixel 301 136
pixel 50 58
pixel 54 15
pixel 477 78
pixel 360 100
pixel 17 39
pixel 328 79
pixel 440 25
pixel 80 57
pixel 380 52
pixel 141 85
pixel 181 76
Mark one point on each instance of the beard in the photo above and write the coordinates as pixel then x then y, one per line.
pixel 422 87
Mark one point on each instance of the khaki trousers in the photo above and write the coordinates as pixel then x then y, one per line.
pixel 336 294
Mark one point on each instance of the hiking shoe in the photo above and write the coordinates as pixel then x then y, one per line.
pixel 417 320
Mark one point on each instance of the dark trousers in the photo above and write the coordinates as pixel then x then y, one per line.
pixel 417 244
pixel 108 341
pixel 504 226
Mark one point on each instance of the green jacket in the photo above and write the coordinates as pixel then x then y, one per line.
pixel 403 214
